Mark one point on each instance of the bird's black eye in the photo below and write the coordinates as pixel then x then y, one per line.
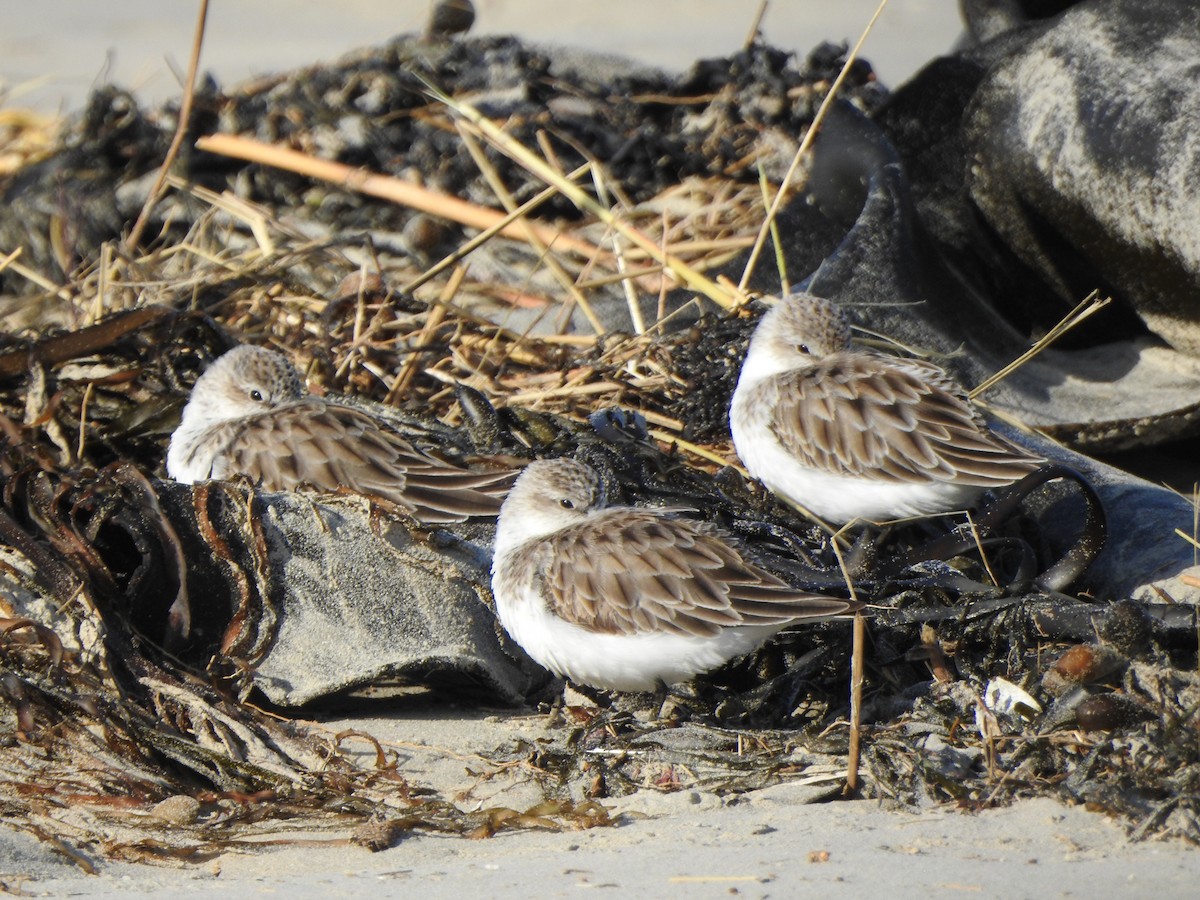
pixel 567 503
pixel 257 396
pixel 803 348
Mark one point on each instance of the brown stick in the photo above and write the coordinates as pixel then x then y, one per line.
pixel 385 187
pixel 62 347
pixel 856 686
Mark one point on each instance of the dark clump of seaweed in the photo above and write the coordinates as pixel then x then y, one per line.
pixel 104 732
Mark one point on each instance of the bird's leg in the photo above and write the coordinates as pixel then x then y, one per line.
pixel 554 715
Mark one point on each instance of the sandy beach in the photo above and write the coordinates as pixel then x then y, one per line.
pixel 687 846
pixel 774 842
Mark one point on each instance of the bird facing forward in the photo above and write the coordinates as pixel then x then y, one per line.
pixel 629 598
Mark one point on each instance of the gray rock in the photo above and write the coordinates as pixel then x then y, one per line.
pixel 358 605
pixel 894 281
pixel 1084 155
pixel 334 596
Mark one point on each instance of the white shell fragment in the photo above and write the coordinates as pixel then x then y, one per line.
pixel 1003 697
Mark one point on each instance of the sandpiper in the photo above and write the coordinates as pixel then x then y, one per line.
pixel 250 414
pixel 849 434
pixel 629 598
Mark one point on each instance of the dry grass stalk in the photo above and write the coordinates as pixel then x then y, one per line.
pixel 185 114
pixel 709 454
pixel 631 297
pixel 25 137
pixel 857 666
pixel 437 315
pixel 1191 539
pixel 1089 306
pixel 537 166
pixel 755 25
pixel 532 236
pixel 10 258
pixel 987 566
pixel 856 673
pixel 805 145
pixel 776 241
pixel 256 217
pixel 489 232
pixel 36 277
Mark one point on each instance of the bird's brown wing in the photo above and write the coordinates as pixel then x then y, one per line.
pixel 327 446
pixel 633 570
pixel 899 421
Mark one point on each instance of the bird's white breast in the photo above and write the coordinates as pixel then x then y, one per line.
pixel 623 662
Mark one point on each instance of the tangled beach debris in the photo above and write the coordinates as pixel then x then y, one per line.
pixel 147 626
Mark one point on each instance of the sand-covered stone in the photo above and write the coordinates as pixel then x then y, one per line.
pixel 339 595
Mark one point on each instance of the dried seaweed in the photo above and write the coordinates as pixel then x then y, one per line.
pixel 99 725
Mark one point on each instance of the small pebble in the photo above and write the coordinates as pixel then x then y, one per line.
pixel 1109 712
pixel 1082 664
pixel 177 810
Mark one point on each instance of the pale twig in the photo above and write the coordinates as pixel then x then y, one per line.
pixel 571 389
pixel 10 258
pixel 661 309
pixel 586 341
pixel 185 114
pixel 360 317
pixel 384 187
pixel 776 242
pixel 616 277
pixel 694 449
pixel 805 144
pixel 675 425
pixel 877 340
pixel 37 278
pixel 856 677
pixel 987 567
pixel 83 411
pixel 854 751
pixel 1089 306
pixel 437 315
pixel 97 311
pixel 631 297
pixel 633 254
pixel 755 25
pixel 1189 538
